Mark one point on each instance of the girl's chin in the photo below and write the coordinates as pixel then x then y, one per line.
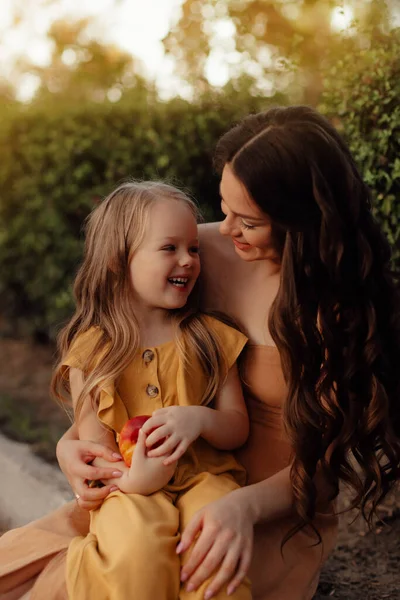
pixel 179 299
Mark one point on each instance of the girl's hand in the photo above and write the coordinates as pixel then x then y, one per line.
pixel 73 457
pixel 179 425
pixel 225 542
pixel 146 475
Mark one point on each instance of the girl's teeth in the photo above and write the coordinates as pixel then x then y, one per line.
pixel 178 281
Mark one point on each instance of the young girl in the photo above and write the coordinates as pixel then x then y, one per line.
pixel 137 345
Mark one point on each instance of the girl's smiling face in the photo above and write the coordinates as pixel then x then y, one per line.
pixel 249 227
pixel 166 265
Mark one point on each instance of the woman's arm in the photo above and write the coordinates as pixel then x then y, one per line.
pixel 76 459
pixel 225 528
pixel 224 532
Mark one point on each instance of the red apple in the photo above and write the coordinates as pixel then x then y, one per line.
pixel 129 436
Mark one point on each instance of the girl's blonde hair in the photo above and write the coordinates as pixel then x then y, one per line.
pixel 102 289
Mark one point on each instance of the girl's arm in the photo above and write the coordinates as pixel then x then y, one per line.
pixel 146 475
pixel 226 426
pixel 90 431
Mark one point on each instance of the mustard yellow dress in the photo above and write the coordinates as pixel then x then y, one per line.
pixel 130 550
pixel 33 557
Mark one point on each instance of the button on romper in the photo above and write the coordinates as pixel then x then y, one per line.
pixel 130 551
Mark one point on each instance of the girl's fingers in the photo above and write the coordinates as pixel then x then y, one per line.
pixel 156 436
pixel 140 448
pixel 160 412
pixel 154 421
pixel 166 448
pixel 178 452
pixel 242 570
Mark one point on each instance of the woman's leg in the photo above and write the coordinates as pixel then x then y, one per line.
pixel 130 551
pixel 33 557
pixel 22 592
pixel 207 488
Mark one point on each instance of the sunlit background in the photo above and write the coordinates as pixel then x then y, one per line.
pixel 94 91
pixel 133 25
pixel 139 28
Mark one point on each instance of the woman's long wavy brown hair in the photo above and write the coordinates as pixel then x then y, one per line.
pixel 335 319
pixel 103 295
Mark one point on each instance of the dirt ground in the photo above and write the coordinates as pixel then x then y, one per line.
pixel 364 566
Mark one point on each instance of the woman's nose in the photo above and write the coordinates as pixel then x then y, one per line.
pixel 229 227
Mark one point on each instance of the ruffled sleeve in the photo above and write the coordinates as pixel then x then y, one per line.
pixel 82 349
pixel 191 380
pixel 231 341
pixel 111 409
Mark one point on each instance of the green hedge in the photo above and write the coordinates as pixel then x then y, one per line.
pixel 362 97
pixel 55 165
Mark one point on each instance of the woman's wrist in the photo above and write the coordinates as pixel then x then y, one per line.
pixel 269 499
pixel 248 502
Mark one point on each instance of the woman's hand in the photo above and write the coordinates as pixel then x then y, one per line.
pixel 179 426
pixel 73 457
pixel 146 475
pixel 224 543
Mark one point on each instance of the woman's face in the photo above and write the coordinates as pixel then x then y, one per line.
pixel 249 227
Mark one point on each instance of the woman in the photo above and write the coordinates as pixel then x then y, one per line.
pixel 304 270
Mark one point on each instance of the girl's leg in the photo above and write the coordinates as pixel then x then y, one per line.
pixel 130 551
pixel 206 489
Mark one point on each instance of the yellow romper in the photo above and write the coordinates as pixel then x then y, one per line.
pixel 130 551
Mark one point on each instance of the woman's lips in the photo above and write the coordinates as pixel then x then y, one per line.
pixel 240 245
